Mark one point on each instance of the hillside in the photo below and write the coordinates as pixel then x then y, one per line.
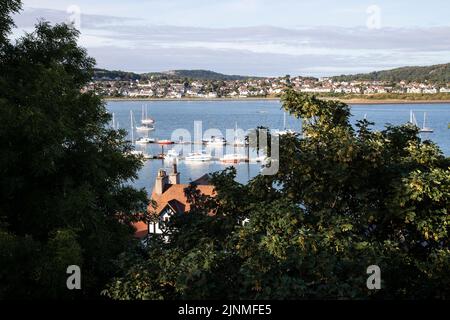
pixel 434 74
pixel 102 74
pixel 204 75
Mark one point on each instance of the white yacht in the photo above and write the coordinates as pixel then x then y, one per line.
pixel 282 132
pixel 285 131
pixel 198 157
pixel 146 120
pixel 141 153
pixel 144 140
pixel 145 127
pixel 216 141
pixel 424 128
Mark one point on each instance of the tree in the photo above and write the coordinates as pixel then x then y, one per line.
pixel 7 7
pixel 344 199
pixel 64 193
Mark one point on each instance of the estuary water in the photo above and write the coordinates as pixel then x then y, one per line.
pixel 223 117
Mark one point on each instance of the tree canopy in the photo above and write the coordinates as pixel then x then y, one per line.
pixel 437 74
pixel 344 199
pixel 64 192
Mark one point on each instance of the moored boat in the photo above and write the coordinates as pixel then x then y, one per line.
pixel 144 140
pixel 164 141
pixel 198 157
pixel 215 141
pixel 233 158
pixel 145 127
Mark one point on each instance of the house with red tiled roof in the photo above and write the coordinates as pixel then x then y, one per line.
pixel 170 199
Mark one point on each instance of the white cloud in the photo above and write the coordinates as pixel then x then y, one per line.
pixel 258 50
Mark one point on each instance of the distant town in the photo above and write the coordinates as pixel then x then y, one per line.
pixel 270 87
pixel 204 84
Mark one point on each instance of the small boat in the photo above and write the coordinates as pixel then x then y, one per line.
pixel 424 128
pixel 285 131
pixel 198 157
pixel 238 141
pixel 233 158
pixel 145 127
pixel 165 141
pixel 412 118
pixel 282 132
pixel 216 141
pixel 144 140
pixel 141 153
pixel 148 121
pixel 136 152
pixel 145 119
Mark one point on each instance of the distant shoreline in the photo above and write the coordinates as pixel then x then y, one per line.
pixel 348 101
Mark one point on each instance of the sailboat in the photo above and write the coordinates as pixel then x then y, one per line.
pixel 412 118
pixel 145 140
pixel 145 119
pixel 145 127
pixel 234 157
pixel 215 141
pixel 113 121
pixel 237 140
pixel 147 123
pixel 285 130
pixel 136 152
pixel 198 157
pixel 425 129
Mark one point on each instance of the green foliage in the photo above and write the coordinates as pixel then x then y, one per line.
pixel 63 198
pixel 443 96
pixel 344 198
pixel 100 74
pixel 7 7
pixel 437 74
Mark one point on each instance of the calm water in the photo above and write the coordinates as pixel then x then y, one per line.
pixel 225 115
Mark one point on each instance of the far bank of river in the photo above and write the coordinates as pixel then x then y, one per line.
pixel 348 101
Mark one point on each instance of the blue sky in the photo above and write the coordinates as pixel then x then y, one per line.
pixel 255 37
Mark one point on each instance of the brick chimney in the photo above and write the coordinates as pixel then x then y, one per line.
pixel 174 177
pixel 161 182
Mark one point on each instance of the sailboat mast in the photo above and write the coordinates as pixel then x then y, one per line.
pixel 113 121
pixel 424 120
pixel 132 126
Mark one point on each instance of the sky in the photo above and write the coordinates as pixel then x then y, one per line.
pixel 253 37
